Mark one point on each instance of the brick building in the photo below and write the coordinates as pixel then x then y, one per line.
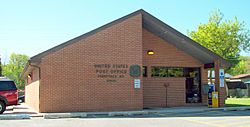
pixel 132 63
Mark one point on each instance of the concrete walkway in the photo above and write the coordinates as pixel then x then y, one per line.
pixel 141 113
pixel 25 112
pixel 19 112
pixel 196 109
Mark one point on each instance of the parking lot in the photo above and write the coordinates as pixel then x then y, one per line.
pixel 196 119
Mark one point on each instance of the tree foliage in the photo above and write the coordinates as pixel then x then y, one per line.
pixel 246 59
pixel 240 68
pixel 14 68
pixel 224 37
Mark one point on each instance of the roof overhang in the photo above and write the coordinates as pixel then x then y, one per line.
pixel 30 66
pixel 180 41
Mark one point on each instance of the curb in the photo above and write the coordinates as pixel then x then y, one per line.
pixel 111 114
pixel 129 113
pixel 64 115
pixel 14 117
pixel 236 108
pixel 86 115
pixel 215 109
pixel 134 113
pixel 179 111
pixel 37 115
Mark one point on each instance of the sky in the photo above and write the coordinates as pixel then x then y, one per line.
pixel 33 26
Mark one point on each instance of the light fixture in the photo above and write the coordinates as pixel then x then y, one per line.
pixel 150 52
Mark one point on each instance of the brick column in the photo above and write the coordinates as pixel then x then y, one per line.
pixel 221 90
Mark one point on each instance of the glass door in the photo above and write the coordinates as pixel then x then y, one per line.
pixel 193 85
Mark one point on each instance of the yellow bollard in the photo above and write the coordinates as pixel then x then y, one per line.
pixel 215 100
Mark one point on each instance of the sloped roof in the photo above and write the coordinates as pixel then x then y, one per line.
pixel 158 28
pixel 241 76
pixel 180 40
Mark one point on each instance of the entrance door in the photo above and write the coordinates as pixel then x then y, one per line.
pixel 193 85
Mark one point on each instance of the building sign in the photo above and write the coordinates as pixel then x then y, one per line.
pixel 222 76
pixel 137 83
pixel 208 65
pixel 111 72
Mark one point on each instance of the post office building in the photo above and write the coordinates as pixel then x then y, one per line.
pixel 132 63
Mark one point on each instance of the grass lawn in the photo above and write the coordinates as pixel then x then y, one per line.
pixel 237 102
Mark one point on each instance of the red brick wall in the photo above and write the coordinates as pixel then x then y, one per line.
pixel 154 94
pixel 69 81
pixel 222 96
pixel 204 81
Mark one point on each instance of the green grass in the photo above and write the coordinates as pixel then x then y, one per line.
pixel 232 102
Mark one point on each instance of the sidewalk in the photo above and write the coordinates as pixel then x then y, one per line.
pixel 142 112
pixel 18 112
pixel 25 112
pixel 196 109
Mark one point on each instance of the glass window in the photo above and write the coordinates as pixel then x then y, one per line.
pixel 166 71
pixel 159 71
pixel 155 71
pixel 7 85
pixel 163 72
pixel 175 72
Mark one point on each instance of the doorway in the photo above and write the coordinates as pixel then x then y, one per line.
pixel 193 85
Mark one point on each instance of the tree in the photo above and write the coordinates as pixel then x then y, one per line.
pixel 240 68
pixel 247 60
pixel 224 37
pixel 15 67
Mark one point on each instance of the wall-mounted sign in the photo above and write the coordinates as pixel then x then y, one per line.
pixel 111 72
pixel 137 83
pixel 135 70
pixel 222 76
pixel 208 65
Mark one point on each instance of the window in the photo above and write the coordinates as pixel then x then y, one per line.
pixel 7 85
pixel 175 72
pixel 145 71
pixel 157 71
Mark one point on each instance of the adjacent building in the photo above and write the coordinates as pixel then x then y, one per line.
pixel 132 63
pixel 239 86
